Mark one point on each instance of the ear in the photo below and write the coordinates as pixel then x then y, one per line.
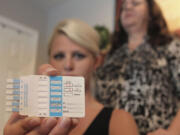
pixel 98 61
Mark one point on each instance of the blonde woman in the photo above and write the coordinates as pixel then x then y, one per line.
pixel 74 51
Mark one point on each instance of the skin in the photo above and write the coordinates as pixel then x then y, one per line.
pixel 160 132
pixel 23 125
pixel 174 127
pixel 134 18
pixel 134 14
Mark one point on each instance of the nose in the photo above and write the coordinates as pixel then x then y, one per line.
pixel 68 64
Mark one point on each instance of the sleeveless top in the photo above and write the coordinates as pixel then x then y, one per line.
pixel 100 125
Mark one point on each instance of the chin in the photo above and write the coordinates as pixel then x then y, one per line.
pixel 129 25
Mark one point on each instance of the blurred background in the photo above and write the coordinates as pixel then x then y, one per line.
pixel 25 27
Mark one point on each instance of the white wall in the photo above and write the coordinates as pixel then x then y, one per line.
pixel 92 11
pixel 24 12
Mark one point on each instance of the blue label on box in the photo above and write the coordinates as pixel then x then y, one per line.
pixel 55 107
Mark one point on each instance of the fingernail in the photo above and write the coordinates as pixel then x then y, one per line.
pixel 34 121
pixel 49 70
pixel 65 122
pixel 75 121
pixel 50 121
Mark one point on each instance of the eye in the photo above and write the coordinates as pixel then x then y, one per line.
pixel 136 3
pixel 59 56
pixel 133 3
pixel 78 55
pixel 123 5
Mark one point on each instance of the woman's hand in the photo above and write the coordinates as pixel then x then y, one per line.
pixel 53 126
pixel 20 125
pixel 23 125
pixel 47 69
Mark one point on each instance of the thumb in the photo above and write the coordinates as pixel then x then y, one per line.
pixel 47 69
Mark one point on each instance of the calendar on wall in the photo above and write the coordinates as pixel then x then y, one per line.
pixel 18 48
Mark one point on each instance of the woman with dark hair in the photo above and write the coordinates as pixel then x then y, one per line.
pixel 157 29
pixel 141 74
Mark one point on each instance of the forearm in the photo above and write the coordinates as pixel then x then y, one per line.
pixel 174 128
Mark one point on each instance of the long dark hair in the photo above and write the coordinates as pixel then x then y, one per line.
pixel 157 31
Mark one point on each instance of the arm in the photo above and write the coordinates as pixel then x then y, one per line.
pixel 160 132
pixel 174 128
pixel 122 123
pixel 174 65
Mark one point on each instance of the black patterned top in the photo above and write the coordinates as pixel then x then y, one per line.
pixel 145 82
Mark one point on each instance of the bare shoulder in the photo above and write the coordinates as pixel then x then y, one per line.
pixel 123 123
pixel 122 115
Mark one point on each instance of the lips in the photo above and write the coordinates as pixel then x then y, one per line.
pixel 127 15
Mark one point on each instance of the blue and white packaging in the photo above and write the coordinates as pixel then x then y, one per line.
pixel 46 96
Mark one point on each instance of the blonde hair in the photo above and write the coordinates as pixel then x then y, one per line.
pixel 79 32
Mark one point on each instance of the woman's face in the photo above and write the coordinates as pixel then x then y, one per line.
pixel 134 13
pixel 70 59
